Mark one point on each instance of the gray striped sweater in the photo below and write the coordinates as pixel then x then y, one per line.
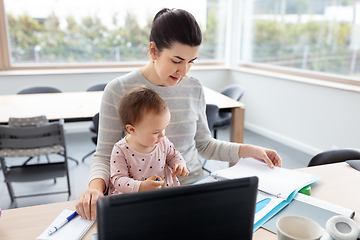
pixel 188 129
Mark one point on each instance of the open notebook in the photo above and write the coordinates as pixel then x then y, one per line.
pixel 277 186
pixel 73 230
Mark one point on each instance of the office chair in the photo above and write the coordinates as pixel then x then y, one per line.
pixel 97 87
pixel 25 122
pixel 93 128
pixel 95 120
pixel 44 89
pixel 334 156
pixel 234 91
pixel 31 141
pixel 39 89
pixel 212 113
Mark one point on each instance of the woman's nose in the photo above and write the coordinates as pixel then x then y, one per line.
pixel 182 70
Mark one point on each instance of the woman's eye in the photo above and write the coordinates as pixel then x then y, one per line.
pixel 175 61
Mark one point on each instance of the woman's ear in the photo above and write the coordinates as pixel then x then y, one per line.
pixel 153 50
pixel 130 128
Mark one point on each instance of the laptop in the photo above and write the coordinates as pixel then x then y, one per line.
pixel 218 210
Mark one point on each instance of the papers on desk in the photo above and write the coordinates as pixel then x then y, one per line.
pixel 73 230
pixel 277 186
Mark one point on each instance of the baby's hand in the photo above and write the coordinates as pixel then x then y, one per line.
pixel 180 170
pixel 150 184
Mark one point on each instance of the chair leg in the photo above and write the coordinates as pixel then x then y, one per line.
pixel 77 163
pixel 215 134
pixel 47 157
pixel 11 191
pixel 27 161
pixel 87 155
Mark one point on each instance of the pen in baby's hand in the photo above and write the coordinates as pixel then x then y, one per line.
pixel 68 219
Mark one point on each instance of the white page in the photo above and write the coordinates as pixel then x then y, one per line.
pixel 274 181
pixel 75 229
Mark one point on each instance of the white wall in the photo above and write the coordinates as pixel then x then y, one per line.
pixel 212 77
pixel 307 117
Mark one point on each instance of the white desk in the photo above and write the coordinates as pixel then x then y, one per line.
pixel 84 105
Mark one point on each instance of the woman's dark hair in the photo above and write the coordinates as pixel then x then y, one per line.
pixel 174 25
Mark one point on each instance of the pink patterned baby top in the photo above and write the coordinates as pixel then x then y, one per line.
pixel 129 168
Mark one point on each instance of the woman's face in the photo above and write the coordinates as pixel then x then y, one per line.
pixel 171 65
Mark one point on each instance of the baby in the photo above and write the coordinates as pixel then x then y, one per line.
pixel 144 159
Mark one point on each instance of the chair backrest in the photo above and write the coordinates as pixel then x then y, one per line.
pixel 212 113
pixel 25 122
pixel 97 87
pixel 95 121
pixel 234 91
pixel 32 136
pixel 39 89
pixel 334 156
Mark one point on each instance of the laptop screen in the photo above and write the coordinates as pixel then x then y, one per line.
pixel 219 210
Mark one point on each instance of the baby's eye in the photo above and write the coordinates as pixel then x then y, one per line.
pixel 156 132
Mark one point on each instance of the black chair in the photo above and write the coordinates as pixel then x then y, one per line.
pixel 97 87
pixel 334 156
pixel 39 89
pixel 44 89
pixel 212 113
pixel 30 141
pixel 234 91
pixel 93 128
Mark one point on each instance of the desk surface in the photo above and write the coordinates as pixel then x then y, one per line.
pixel 76 105
pixel 34 220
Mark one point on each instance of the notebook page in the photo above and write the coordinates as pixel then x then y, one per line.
pixel 73 230
pixel 279 182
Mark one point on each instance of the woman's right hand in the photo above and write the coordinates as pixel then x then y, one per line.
pixel 86 204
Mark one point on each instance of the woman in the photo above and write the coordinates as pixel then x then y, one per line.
pixel 175 40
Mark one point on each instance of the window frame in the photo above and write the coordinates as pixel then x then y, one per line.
pixel 5 62
pixel 231 59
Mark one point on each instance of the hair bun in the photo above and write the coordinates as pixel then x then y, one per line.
pixel 161 12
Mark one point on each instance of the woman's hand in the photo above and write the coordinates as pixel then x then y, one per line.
pixel 269 156
pixel 86 204
pixel 180 170
pixel 150 184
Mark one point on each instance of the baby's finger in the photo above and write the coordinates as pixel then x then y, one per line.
pixel 175 169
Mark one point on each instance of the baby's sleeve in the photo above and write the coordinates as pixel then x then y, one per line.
pixel 120 179
pixel 173 156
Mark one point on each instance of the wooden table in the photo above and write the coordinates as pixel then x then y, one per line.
pixel 79 106
pixel 30 222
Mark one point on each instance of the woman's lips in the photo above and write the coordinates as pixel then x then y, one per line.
pixel 174 78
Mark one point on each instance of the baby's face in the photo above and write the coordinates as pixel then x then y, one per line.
pixel 151 129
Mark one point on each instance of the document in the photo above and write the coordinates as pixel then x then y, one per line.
pixel 73 230
pixel 277 186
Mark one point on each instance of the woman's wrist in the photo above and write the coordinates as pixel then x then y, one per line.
pixel 245 150
pixel 97 184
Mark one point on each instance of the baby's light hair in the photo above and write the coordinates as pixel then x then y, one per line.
pixel 138 102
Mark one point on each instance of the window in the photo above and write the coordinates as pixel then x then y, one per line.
pixel 315 35
pixel 108 32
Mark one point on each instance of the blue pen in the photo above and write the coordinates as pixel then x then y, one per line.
pixel 68 219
